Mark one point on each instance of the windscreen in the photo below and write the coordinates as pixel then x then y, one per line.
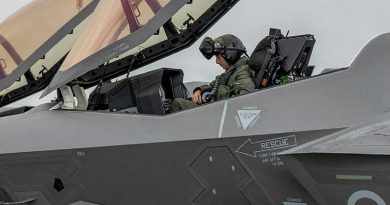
pixel 27 35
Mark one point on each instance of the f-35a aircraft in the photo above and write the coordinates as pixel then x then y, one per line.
pixel 306 140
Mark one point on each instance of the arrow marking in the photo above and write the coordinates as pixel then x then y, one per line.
pixel 250 148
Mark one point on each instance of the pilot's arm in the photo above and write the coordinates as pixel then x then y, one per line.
pixel 243 83
pixel 197 96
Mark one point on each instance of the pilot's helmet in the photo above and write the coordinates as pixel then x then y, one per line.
pixel 229 46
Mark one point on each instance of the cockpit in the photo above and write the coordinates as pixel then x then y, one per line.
pixel 78 43
pixel 79 55
pixel 276 60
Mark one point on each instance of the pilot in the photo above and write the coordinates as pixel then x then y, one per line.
pixel 230 54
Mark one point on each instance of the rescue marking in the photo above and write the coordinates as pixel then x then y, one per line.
pixel 222 119
pixel 250 148
pixel 247 116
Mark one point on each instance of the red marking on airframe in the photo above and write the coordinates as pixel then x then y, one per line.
pixel 154 5
pixel 3 65
pixel 131 19
pixel 11 51
pixel 80 4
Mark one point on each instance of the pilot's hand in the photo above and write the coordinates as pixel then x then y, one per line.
pixel 197 97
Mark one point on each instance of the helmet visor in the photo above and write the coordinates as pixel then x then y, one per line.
pixel 207 48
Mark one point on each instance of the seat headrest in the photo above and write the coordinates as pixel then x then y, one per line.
pixel 257 57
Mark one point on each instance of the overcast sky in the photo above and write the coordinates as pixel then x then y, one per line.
pixel 341 28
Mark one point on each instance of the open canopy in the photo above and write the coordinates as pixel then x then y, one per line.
pixel 29 34
pixel 101 41
pixel 114 28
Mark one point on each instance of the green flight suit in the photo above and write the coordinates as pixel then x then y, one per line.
pixel 236 80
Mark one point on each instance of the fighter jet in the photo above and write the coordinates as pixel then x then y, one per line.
pixel 297 140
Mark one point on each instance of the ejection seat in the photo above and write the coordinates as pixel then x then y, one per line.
pixel 279 60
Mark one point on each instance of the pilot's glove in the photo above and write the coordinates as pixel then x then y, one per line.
pixel 197 97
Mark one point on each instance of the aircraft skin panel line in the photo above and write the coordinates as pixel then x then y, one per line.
pixel 26 201
pixel 82 203
pixel 313 140
pixel 316 104
pixel 324 182
pixel 222 119
pixel 177 172
pixel 370 138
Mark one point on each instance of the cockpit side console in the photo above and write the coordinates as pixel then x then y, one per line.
pixel 146 93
